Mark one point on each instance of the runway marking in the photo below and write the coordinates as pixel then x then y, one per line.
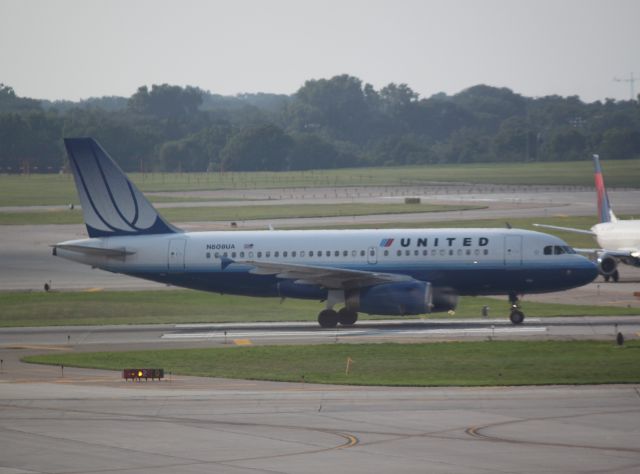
pixel 354 333
pixel 39 347
pixel 242 342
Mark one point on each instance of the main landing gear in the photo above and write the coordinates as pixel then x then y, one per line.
pixel 516 316
pixel 329 318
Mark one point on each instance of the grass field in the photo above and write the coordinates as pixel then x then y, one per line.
pixel 438 364
pixel 240 213
pixel 21 309
pixel 58 189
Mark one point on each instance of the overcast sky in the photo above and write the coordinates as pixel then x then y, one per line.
pixel 72 49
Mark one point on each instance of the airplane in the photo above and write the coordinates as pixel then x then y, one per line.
pixel 384 271
pixel 619 240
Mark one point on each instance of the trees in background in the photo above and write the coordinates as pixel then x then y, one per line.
pixel 327 123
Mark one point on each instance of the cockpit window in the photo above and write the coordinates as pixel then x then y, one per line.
pixel 558 249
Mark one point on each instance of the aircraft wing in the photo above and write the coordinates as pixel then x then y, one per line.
pixel 328 277
pixel 618 253
pixel 566 229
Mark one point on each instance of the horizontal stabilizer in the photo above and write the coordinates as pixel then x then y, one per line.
pixel 96 251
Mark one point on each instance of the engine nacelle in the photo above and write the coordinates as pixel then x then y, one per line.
pixel 395 299
pixel 607 264
pixel 444 299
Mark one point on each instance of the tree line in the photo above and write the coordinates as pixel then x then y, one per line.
pixel 327 123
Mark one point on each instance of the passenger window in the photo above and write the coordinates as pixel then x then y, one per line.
pixel 208 254
pixel 362 254
pixel 225 255
pixel 416 252
pixel 250 254
pixel 301 253
pixel 399 253
pixel 276 254
pixel 459 252
pixel 407 252
pixel 336 253
pixel 353 253
pixel 284 254
pixel 241 254
pixel 293 254
pixel 433 252
pixel 486 251
pixel 267 254
pixel 327 253
pixel 310 253
pixel 386 253
pixel 372 252
pixel 345 253
pixel 425 253
pixel 450 252
pixel 442 253
pixel 216 255
pixel 233 255
pixel 259 254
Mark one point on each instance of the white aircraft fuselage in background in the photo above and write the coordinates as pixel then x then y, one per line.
pixel 392 272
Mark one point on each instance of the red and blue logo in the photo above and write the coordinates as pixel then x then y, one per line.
pixel 386 242
pixel 604 209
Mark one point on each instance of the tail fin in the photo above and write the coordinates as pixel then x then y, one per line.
pixel 605 213
pixel 111 204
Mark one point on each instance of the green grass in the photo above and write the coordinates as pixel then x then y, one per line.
pixel 437 364
pixel 37 189
pixel 186 306
pixel 240 213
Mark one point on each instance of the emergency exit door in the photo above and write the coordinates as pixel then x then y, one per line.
pixel 513 250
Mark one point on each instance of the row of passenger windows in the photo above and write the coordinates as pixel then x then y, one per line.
pixel 353 253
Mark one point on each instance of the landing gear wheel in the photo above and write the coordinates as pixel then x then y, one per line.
pixel 328 318
pixel 347 317
pixel 616 276
pixel 516 316
pixel 607 278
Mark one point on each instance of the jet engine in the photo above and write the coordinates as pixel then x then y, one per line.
pixel 607 264
pixel 444 299
pixel 396 299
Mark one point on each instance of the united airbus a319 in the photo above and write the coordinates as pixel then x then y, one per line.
pixel 395 272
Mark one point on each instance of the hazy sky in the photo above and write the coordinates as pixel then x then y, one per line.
pixel 72 49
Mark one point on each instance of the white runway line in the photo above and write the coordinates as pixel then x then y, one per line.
pixel 351 333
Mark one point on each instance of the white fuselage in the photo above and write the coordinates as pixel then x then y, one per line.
pixel 619 235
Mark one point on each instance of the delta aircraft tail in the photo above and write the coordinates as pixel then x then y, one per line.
pixel 111 204
pixel 605 213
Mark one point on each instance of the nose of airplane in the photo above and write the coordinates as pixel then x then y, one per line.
pixel 585 271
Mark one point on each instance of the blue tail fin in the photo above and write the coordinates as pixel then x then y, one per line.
pixel 111 204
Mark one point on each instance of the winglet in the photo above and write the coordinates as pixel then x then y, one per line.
pixel 605 213
pixel 111 204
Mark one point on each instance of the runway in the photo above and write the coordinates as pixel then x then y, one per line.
pixel 92 421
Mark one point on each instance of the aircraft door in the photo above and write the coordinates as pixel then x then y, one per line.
pixel 176 254
pixel 513 250
pixel 372 255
